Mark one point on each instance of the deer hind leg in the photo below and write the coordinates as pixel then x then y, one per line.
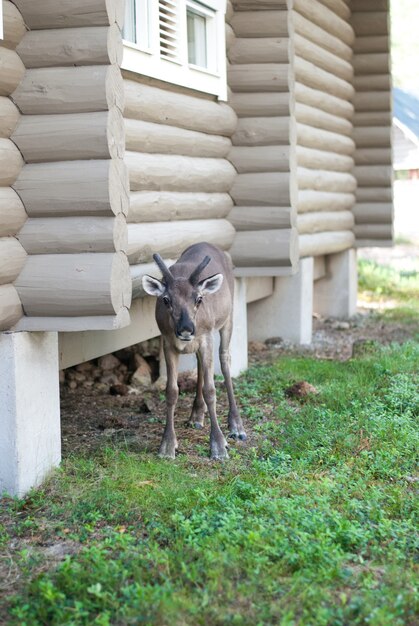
pixel 235 423
pixel 196 419
pixel 169 443
pixel 218 444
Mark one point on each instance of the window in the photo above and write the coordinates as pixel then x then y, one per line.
pixel 178 41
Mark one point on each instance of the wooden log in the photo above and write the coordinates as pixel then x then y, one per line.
pixel 259 77
pixel 262 131
pixel 374 243
pixel 267 104
pixel 378 43
pixel 60 47
pixel 46 14
pixel 9 117
pixel 320 159
pixel 74 284
pixel 12 259
pixel 261 217
pixel 374 175
pixel 324 221
pixel 259 5
pixel 12 212
pixel 70 90
pixel 13 25
pixel 70 137
pixel 166 172
pixel 310 200
pixel 11 162
pixel 152 104
pixel 322 180
pixel 74 324
pixel 12 71
pixel 159 138
pixel 260 23
pixel 324 140
pixel 311 31
pixel 259 50
pixel 339 7
pixel 320 119
pixel 229 36
pixel 326 19
pixel 372 63
pixel 316 98
pixel 10 307
pixel 373 156
pixel 373 118
pixel 261 248
pixel 316 78
pixel 68 235
pixel 171 239
pixel 322 58
pixel 373 212
pixel 97 187
pixel 262 189
pixel 166 206
pixel 229 11
pixel 374 194
pixel 325 243
pixel 376 82
pixel 370 24
pixel 369 5
pixel 372 137
pixel 374 231
pixel 260 158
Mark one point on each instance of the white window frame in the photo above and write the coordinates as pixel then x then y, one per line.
pixel 149 62
pixel 1 21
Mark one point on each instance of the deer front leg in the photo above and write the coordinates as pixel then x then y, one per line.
pixel 218 444
pixel 235 423
pixel 196 419
pixel 169 444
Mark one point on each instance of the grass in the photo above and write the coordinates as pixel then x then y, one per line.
pixel 312 523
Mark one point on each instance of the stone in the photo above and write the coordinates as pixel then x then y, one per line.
pixel 257 346
pixel 108 362
pixel 85 367
pixel 142 375
pixel 300 390
pixel 72 384
pixel 109 378
pixel 118 390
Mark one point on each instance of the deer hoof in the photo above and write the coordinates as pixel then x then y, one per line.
pixel 167 450
pixel 196 425
pixel 238 435
pixel 219 451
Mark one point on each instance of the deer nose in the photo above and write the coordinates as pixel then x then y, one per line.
pixel 185 328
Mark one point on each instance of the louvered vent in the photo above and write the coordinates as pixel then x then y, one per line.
pixel 168 28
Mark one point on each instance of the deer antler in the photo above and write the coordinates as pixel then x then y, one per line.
pixel 167 274
pixel 193 278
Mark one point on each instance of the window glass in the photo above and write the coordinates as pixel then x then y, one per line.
pixel 197 39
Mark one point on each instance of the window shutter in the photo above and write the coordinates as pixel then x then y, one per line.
pixel 169 29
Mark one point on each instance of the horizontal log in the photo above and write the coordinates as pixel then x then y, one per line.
pixel 324 221
pixel 12 71
pixel 324 140
pixel 12 212
pixel 322 180
pixel 260 23
pixel 260 158
pixel 74 188
pixel 326 19
pixel 165 206
pixel 373 156
pixel 374 194
pixel 269 248
pixel 372 137
pixel 316 98
pixel 320 119
pixel 262 189
pixel 373 82
pixel 71 13
pixel 378 43
pixel 230 37
pixel 261 217
pixel 67 235
pixel 11 162
pixel 9 116
pixel 370 23
pixel 70 90
pixel 229 11
pixel 340 7
pixel 262 131
pixel 152 104
pixel 325 243
pixel 170 239
pixel 259 5
pixel 159 138
pixel 311 31
pixel 259 50
pixel 373 118
pixel 372 63
pixel 10 307
pixel 374 231
pixel 374 243
pixel 70 137
pixel 60 47
pixel 374 175
pixel 267 104
pixel 13 25
pixel 369 5
pixel 74 324
pixel 310 200
pixel 322 58
pixel 373 212
pixel 316 78
pixel 320 159
pixel 166 172
pixel 67 285
pixel 259 77
pixel 12 259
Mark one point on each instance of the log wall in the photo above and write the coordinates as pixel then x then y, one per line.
pixel 74 183
pixel 373 118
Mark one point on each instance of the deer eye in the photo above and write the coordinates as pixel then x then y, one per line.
pixel 198 300
pixel 166 300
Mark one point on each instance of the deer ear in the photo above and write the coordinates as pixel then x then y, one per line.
pixel 211 284
pixel 153 286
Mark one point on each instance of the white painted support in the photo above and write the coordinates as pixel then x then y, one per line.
pixel 335 295
pixel 30 438
pixel 288 312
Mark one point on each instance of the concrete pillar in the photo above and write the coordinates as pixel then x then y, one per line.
pixel 287 313
pixel 30 438
pixel 335 295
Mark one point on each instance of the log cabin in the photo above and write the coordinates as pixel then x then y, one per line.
pixel 129 127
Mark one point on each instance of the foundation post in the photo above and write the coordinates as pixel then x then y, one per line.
pixel 335 295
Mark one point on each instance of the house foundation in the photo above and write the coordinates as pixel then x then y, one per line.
pixel 335 294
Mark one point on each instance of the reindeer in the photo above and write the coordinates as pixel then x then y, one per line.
pixel 195 298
